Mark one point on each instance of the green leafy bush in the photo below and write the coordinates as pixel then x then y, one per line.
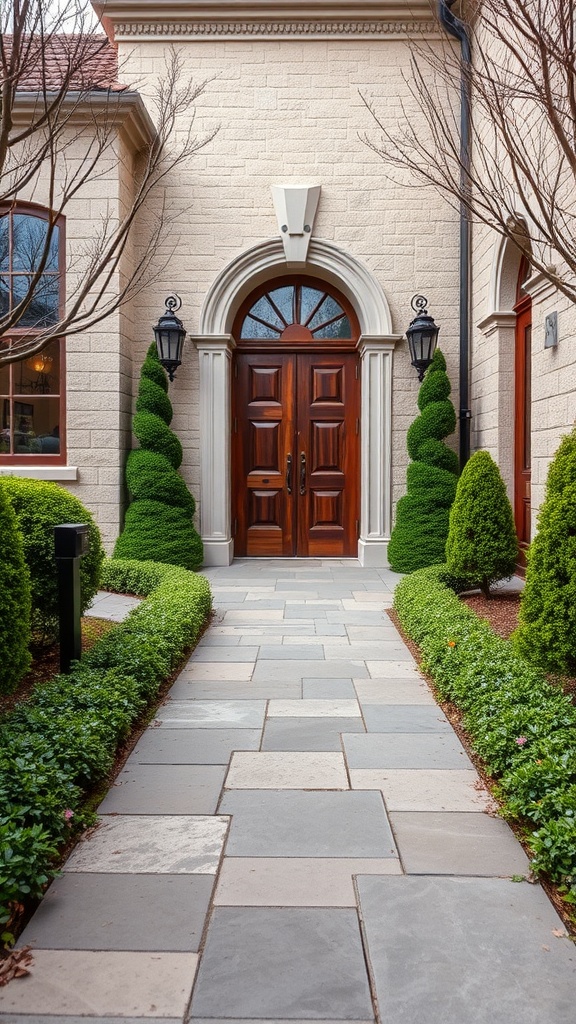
pixel 14 600
pixel 160 519
pixel 40 506
pixel 55 747
pixel 482 546
pixel 419 535
pixel 547 626
pixel 522 726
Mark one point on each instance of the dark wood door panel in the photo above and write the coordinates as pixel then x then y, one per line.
pixel 328 408
pixel 263 418
pixel 523 427
pixel 296 454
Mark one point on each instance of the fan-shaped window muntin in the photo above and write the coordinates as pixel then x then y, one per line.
pixel 309 310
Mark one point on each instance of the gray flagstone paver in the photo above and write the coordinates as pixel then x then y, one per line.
pixel 299 827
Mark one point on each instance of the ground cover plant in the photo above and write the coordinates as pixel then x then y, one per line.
pixel 522 726
pixel 547 628
pixel 482 546
pixel 419 535
pixel 39 506
pixel 55 747
pixel 159 521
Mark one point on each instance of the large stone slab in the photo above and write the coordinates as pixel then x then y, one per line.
pixel 308 733
pixel 84 983
pixel 212 714
pixel 292 652
pixel 438 843
pixel 289 689
pixel 406 718
pixel 165 789
pixel 405 750
pixel 192 746
pixel 416 790
pixel 288 963
pixel 272 671
pixel 466 951
pixel 93 911
pixel 179 844
pixel 322 708
pixel 385 650
pixel 287 770
pixel 295 881
pixel 295 824
pixel 411 690
pixel 223 653
pixel 328 689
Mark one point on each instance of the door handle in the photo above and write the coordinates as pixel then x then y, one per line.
pixel 302 472
pixel 289 474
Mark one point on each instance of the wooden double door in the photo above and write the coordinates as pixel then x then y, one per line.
pixel 295 454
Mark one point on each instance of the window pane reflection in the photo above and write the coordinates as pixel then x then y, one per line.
pixel 40 373
pixel 29 239
pixel 30 427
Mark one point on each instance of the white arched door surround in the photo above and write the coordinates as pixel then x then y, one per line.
pixel 215 346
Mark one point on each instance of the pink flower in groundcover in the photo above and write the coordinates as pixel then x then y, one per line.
pixel 521 740
pixel 68 814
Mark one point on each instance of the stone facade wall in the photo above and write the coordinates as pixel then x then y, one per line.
pixel 290 111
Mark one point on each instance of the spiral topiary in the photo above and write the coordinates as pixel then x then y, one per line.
pixel 419 535
pixel 159 522
pixel 482 547
pixel 547 629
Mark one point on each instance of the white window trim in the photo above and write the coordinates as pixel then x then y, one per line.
pixel 41 472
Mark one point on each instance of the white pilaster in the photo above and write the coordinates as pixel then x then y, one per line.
pixel 215 358
pixel 376 354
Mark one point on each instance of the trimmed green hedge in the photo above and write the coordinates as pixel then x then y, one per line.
pixel 522 727
pixel 57 746
pixel 14 600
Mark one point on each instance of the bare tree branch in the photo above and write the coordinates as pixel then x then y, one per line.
pixel 522 82
pixel 60 112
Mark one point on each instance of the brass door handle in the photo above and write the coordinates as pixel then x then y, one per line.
pixel 302 472
pixel 289 474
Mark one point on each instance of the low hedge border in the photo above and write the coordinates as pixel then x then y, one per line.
pixel 57 746
pixel 522 726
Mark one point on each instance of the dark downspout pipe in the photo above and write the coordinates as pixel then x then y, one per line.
pixel 456 28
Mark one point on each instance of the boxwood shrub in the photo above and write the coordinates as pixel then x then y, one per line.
pixel 57 746
pixel 522 726
pixel 40 506
pixel 14 600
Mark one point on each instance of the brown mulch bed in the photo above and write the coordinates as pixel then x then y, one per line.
pixel 500 612
pixel 46 662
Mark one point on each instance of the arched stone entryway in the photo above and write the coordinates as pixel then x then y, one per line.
pixel 215 344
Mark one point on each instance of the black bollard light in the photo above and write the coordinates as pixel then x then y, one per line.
pixel 71 542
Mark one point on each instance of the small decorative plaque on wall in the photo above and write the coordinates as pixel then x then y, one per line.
pixel 551 330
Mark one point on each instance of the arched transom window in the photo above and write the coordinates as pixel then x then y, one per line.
pixel 297 312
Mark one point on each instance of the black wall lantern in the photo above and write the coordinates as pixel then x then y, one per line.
pixel 170 334
pixel 422 336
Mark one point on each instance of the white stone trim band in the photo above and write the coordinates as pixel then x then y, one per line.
pixel 272 29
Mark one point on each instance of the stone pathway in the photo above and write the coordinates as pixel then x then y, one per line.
pixel 299 837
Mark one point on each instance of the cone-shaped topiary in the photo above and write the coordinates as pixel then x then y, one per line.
pixel 159 521
pixel 419 536
pixel 14 600
pixel 482 546
pixel 547 629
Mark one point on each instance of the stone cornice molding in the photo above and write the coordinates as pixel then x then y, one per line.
pixel 209 19
pixel 496 321
pixel 210 30
pixel 122 110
